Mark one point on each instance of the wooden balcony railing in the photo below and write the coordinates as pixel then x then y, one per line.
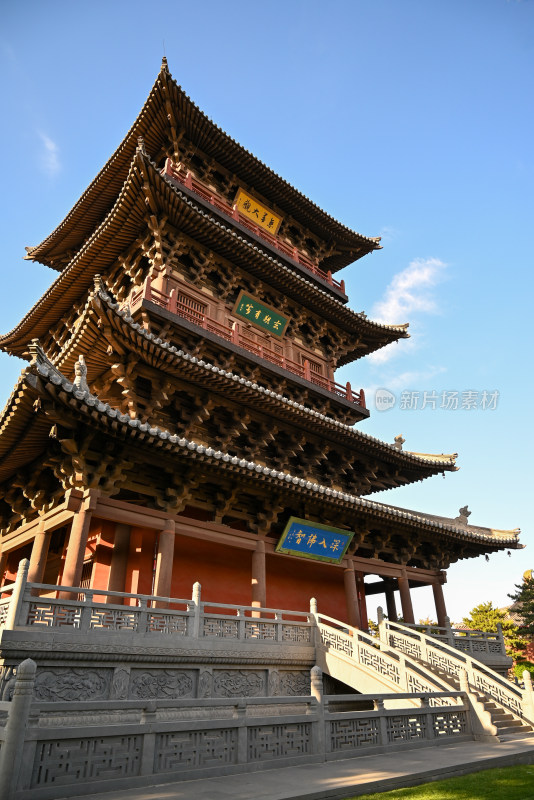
pixel 232 333
pixel 220 204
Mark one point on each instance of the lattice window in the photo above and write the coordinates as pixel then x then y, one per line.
pixel 67 761
pixel 266 742
pixel 190 749
pixel 406 728
pixel 87 573
pixel 351 733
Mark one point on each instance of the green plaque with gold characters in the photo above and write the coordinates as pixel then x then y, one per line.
pixel 314 540
pixel 265 317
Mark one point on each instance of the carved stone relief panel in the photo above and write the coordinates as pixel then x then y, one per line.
pixel 239 683
pixel 295 683
pixel 65 683
pixel 163 683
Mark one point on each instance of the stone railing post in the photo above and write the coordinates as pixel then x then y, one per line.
pixel 378 705
pixel 501 639
pixel 482 728
pixel 316 690
pixel 449 635
pixel 17 596
pixel 430 733
pixel 86 611
pixel 315 636
pixel 12 751
pixel 382 625
pixel 196 618
pixel 528 696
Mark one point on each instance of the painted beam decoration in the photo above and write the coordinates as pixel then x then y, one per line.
pixel 257 213
pixel 313 540
pixel 259 314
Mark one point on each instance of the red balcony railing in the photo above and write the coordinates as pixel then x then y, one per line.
pixel 220 204
pixel 232 334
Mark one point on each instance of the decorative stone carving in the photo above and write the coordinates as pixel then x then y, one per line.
pixel 294 683
pixel 274 683
pixel 71 684
pixel 205 683
pixel 239 683
pixel 161 683
pixel 80 370
pixel 120 683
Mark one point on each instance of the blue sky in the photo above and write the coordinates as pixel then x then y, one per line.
pixel 411 120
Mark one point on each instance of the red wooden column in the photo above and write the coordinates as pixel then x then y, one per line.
pixel 164 560
pixel 258 581
pixel 362 603
pixel 406 600
pixel 390 600
pixel 119 562
pixel 81 520
pixel 351 597
pixel 39 555
pixel 439 600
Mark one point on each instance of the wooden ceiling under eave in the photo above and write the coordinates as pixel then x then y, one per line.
pixel 168 106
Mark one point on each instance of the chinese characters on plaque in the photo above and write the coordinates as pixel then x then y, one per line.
pixel 257 213
pixel 313 540
pixel 260 315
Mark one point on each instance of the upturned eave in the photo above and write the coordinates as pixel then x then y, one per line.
pixel 152 124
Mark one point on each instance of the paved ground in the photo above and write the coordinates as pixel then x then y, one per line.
pixel 336 780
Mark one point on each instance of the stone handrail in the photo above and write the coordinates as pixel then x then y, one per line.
pixel 468 641
pixel 441 656
pixel 375 657
pixel 109 745
pixel 37 606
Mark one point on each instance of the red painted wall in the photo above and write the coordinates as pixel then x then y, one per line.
pixel 223 572
pixel 291 582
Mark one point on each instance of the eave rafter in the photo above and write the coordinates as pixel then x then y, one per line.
pixel 101 313
pixel 159 448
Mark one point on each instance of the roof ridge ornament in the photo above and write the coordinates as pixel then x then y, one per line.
pixel 399 441
pixel 80 371
pixel 38 355
pixel 164 65
pixel 464 513
pixel 141 146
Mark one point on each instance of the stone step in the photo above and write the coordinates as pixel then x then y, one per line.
pixel 514 733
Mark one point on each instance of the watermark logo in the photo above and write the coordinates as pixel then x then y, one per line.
pixel 446 400
pixel 384 399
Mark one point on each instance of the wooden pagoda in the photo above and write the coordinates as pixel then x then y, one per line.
pixel 179 419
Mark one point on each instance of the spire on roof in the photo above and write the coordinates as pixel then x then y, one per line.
pixel 164 64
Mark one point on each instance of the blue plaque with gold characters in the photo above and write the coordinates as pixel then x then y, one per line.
pixel 313 540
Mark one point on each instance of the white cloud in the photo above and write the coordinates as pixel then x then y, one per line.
pixel 410 291
pixel 50 155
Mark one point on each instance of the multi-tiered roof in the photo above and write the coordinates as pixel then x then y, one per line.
pixel 180 402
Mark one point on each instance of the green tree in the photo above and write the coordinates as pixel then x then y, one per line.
pixel 486 618
pixel 524 604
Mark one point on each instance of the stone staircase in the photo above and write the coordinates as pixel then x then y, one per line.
pixel 401 659
pixel 508 726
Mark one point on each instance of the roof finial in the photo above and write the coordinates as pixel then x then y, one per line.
pixel 399 441
pixel 164 64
